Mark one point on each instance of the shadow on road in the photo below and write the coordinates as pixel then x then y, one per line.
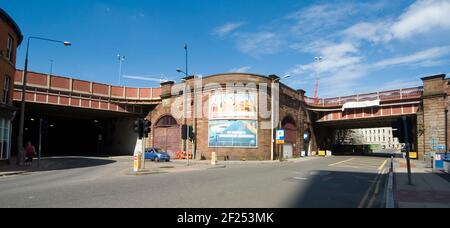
pixel 58 163
pixel 336 189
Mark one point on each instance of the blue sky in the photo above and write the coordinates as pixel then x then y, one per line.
pixel 366 46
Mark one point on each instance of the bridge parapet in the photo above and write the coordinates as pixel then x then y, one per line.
pixel 64 91
pixel 81 87
pixel 391 95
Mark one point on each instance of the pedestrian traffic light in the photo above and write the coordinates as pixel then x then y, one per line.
pixel 184 132
pixel 147 128
pixel 191 133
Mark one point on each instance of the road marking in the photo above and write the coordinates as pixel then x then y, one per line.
pixel 300 178
pixel 377 190
pixel 382 165
pixel 337 163
pixel 366 195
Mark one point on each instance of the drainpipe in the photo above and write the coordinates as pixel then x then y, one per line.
pixel 446 132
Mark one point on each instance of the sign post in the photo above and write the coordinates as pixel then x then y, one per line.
pixel 408 161
pixel 280 139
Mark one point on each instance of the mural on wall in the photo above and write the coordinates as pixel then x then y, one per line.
pixel 233 120
pixel 233 106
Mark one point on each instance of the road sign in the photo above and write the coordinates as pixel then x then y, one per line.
pixel 280 137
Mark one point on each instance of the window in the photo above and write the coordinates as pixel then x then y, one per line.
pixel 5 99
pixel 4 138
pixel 10 48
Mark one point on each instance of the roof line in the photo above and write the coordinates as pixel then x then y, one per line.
pixel 11 21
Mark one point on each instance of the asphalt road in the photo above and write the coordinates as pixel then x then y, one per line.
pixel 343 182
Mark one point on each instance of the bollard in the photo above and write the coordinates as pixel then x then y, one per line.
pixel 136 162
pixel 213 158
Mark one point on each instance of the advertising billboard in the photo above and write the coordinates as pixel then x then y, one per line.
pixel 233 133
pixel 233 106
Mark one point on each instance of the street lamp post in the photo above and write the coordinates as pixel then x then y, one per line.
pixel 24 87
pixel 185 142
pixel 121 59
pixel 317 60
pixel 272 108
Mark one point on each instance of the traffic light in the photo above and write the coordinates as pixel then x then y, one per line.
pixel 147 128
pixel 45 126
pixel 191 133
pixel 138 128
pixel 184 133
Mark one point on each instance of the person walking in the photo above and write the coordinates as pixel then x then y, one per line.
pixel 30 152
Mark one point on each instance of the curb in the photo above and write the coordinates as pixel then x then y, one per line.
pixel 390 203
pixel 143 173
pixel 218 167
pixel 12 173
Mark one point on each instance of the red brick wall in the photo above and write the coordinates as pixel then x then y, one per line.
pixel 262 152
pixel 7 68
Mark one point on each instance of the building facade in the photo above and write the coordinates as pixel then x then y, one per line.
pixel 234 117
pixel 382 139
pixel 10 38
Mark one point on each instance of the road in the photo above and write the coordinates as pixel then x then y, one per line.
pixel 343 182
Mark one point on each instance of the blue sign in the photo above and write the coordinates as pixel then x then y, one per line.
pixel 439 147
pixel 306 136
pixel 280 135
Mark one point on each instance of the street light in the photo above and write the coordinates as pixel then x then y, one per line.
pixel 121 59
pixel 272 148
pixel 24 87
pixel 317 60
pixel 179 70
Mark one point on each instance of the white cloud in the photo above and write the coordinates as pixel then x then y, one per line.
pixel 260 43
pixel 421 17
pixel 375 32
pixel 416 58
pixel 227 28
pixel 396 84
pixel 335 57
pixel 244 69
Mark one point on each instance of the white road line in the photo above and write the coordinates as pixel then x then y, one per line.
pixel 300 178
pixel 337 163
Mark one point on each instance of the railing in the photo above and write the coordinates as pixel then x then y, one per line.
pixel 399 94
pixel 86 88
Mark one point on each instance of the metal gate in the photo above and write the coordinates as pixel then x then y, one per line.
pixel 288 151
pixel 291 140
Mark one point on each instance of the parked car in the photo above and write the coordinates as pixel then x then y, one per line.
pixel 156 154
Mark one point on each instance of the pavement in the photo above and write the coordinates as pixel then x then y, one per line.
pixel 330 182
pixel 429 189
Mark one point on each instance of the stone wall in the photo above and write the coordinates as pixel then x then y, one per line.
pixel 432 118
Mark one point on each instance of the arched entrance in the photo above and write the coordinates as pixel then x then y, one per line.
pixel 167 135
pixel 290 132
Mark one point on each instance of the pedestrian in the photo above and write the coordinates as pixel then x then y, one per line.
pixel 30 152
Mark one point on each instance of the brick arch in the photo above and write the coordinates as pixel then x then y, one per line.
pixel 167 134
